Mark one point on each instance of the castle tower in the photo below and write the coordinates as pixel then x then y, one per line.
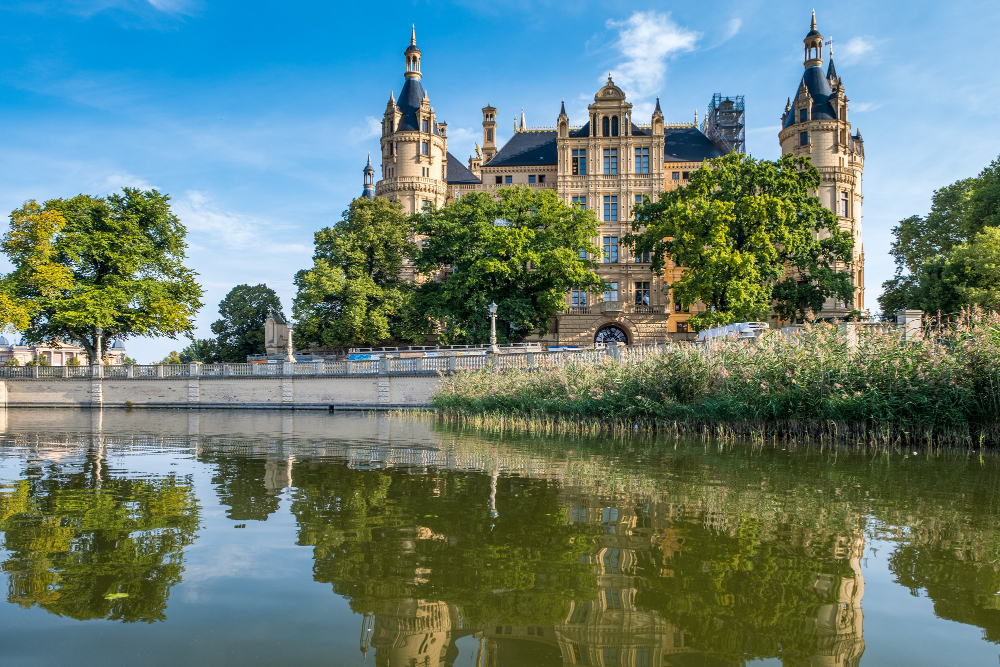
pixel 489 133
pixel 815 125
pixel 368 191
pixel 414 144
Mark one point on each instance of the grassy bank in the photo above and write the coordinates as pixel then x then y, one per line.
pixel 943 387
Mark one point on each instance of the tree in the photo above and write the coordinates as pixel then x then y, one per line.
pixel 355 294
pixel 172 358
pixel 749 233
pixel 12 362
pixel 73 361
pixel 205 350
pixel 522 250
pixel 115 262
pixel 240 330
pixel 129 361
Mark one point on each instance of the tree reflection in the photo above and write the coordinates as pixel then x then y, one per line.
pixel 86 545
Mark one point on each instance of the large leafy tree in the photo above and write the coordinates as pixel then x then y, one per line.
pixel 942 259
pixel 355 293
pixel 520 249
pixel 115 262
pixel 749 233
pixel 240 328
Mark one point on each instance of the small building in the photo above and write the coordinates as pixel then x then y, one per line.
pixel 56 355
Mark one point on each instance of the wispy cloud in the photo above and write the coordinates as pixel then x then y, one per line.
pixel 646 41
pixel 732 28
pixel 115 182
pixel 372 128
pixel 861 107
pixel 856 49
pixel 212 226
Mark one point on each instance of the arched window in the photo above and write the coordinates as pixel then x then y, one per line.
pixel 609 333
pixel 614 126
pixel 605 131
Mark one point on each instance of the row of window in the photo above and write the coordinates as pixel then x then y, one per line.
pixel 640 296
pixel 532 178
pixel 579 161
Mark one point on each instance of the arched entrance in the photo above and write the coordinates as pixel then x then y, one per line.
pixel 609 333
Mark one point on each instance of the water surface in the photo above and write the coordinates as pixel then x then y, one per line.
pixel 263 538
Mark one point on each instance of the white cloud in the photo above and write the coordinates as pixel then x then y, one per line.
pixel 115 182
pixel 855 49
pixel 371 129
pixel 646 41
pixel 861 107
pixel 732 28
pixel 210 226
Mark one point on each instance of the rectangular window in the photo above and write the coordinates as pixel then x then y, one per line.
pixel 641 258
pixel 541 178
pixel 610 249
pixel 508 179
pixel 642 160
pixel 843 204
pixel 531 178
pixel 425 125
pixel 578 297
pixel 611 209
pixel 638 200
pixel 686 175
pixel 642 293
pixel 581 202
pixel 676 176
pixel 499 180
pixel 423 148
pixel 427 204
pixel 611 294
pixel 682 327
pixel 803 138
pixel 583 253
pixel 610 160
pixel 580 162
pixel 803 115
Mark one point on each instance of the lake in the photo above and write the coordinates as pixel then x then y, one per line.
pixel 305 538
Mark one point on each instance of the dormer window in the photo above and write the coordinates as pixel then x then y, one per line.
pixel 425 125
pixel 803 115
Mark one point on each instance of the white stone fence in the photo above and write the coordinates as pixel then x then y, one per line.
pixel 366 368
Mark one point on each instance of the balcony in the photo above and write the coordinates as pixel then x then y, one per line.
pixel 612 306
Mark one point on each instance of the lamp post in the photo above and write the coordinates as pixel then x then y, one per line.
pixel 289 357
pixel 97 349
pixel 494 348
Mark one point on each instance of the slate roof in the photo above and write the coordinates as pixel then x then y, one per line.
pixel 688 144
pixel 527 149
pixel 582 132
pixel 458 174
pixel 819 89
pixel 410 98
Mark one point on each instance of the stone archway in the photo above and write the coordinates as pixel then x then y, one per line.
pixel 609 333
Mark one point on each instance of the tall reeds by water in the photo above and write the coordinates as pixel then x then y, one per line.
pixel 855 383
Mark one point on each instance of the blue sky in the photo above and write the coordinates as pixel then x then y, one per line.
pixel 257 117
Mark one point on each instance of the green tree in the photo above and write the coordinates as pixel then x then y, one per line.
pixel 129 361
pixel 73 361
pixel 172 358
pixel 12 362
pixel 521 249
pixel 205 350
pixel 240 329
pixel 749 233
pixel 354 293
pixel 115 262
pixel 39 360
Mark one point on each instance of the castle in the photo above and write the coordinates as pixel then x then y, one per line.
pixel 608 164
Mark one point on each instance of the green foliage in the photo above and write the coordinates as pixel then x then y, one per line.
pixel 240 329
pixel 115 262
pixel 520 250
pixel 129 361
pixel 39 360
pixel 75 361
pixel 205 350
pixel 84 547
pixel 945 383
pixel 12 362
pixel 354 294
pixel 736 228
pixel 946 260
pixel 172 358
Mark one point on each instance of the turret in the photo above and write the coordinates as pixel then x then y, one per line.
pixel 489 133
pixel 368 191
pixel 813 45
pixel 657 120
pixel 412 54
pixel 562 123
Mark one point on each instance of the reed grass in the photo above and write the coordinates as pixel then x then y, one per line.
pixel 824 382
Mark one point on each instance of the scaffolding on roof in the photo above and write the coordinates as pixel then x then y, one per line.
pixel 724 123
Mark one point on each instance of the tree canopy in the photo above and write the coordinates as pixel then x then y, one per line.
pixel 240 328
pixel 354 293
pixel 521 250
pixel 749 233
pixel 946 260
pixel 115 262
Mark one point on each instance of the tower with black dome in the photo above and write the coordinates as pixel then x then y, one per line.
pixel 815 125
pixel 414 144
pixel 368 191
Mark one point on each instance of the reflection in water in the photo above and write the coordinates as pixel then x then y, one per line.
pixel 528 551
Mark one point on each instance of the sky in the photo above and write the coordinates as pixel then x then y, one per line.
pixel 257 117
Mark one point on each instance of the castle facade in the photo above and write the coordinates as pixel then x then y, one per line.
pixel 609 164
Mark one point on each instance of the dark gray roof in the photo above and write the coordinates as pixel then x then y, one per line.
pixel 819 89
pixel 688 144
pixel 528 148
pixel 410 98
pixel 458 174
pixel 641 131
pixel 582 132
pixel 831 71
pixel 118 345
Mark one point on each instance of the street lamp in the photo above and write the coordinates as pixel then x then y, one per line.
pixel 97 347
pixel 494 348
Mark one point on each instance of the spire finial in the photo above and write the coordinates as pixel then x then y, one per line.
pixel 812 26
pixel 562 108
pixel 413 31
pixel 696 118
pixel 830 42
pixel 657 110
